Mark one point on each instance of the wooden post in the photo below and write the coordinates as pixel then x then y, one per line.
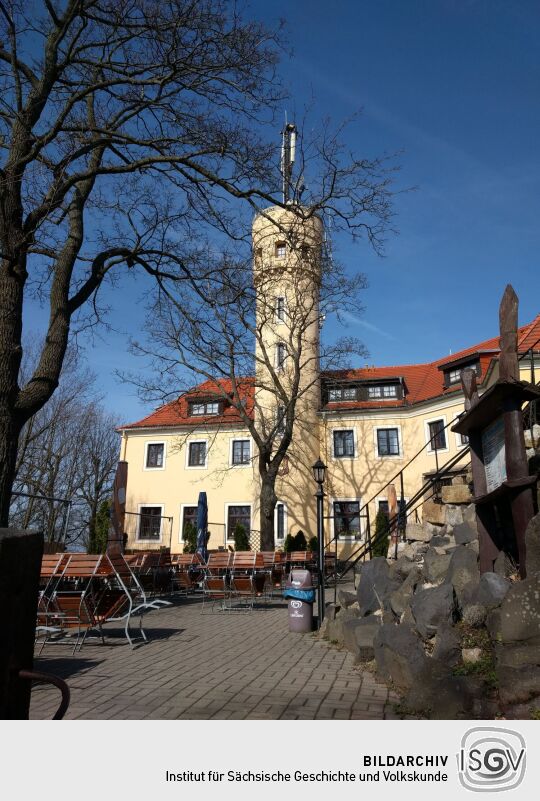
pixel 517 468
pixel 20 566
pixel 392 515
pixel 488 549
pixel 115 543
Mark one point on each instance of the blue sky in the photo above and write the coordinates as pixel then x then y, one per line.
pixel 456 87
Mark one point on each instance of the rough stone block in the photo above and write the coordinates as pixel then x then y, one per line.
pixel 456 493
pixel 358 636
pixel 469 514
pixel 471 655
pixel 518 684
pixel 399 655
pixel 375 584
pixel 435 565
pixel 401 597
pixel 453 515
pixel 447 647
pixel 492 590
pixel 532 544
pixel 520 611
pixel 433 513
pixel 432 608
pixel 463 573
pixel 346 599
pixel 464 533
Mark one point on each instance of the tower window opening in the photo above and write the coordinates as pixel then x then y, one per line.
pixel 281 250
pixel 280 310
pixel 281 355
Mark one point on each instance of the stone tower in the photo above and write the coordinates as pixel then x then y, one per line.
pixel 287 248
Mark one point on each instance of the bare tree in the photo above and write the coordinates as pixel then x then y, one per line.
pixel 67 454
pixel 126 126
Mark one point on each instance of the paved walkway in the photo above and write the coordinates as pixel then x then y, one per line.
pixel 202 666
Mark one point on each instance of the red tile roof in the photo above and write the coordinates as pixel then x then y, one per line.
pixel 423 382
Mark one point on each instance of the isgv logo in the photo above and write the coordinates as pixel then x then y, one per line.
pixel 491 759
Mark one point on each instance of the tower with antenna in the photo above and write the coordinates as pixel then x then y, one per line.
pixel 287 264
pixel 288 156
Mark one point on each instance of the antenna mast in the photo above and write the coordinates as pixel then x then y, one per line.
pixel 288 153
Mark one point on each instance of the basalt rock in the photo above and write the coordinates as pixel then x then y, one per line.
pixel 432 608
pixel 399 655
pixel 520 611
pixel 492 590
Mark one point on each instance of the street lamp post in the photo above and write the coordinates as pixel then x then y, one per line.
pixel 319 470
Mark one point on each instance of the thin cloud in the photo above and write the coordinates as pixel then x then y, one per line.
pixel 352 318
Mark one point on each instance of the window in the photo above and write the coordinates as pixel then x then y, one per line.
pixel 149 523
pixel 437 435
pixel 241 451
pixel 347 519
pixel 383 391
pixel 281 250
pixel 281 355
pixel 280 310
pixel 204 408
pixel 280 521
pixel 197 454
pixel 463 439
pixel 387 442
pixel 238 515
pixel 453 376
pixel 155 452
pixel 280 420
pixel 343 394
pixel 343 443
pixel 189 515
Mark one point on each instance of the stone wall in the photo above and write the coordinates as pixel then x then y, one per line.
pixel 454 643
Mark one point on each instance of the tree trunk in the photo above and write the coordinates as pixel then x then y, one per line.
pixel 268 500
pixel 10 361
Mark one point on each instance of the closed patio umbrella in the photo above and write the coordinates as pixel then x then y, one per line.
pixel 202 525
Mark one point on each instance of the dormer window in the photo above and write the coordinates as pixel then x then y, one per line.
pixel 383 391
pixel 343 394
pixel 204 408
pixel 453 376
pixel 281 250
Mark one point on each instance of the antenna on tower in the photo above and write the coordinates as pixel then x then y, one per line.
pixel 288 155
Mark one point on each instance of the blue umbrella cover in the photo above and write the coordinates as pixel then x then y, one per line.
pixel 202 525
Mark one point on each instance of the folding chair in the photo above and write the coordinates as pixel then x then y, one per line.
pixel 247 578
pixel 216 585
pixel 187 572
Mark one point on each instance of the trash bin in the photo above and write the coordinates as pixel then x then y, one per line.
pixel 301 594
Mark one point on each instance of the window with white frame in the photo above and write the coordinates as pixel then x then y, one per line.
pixel 343 394
pixel 149 522
pixel 280 310
pixel 189 517
pixel 238 515
pixel 281 250
pixel 343 443
pixel 384 391
pixel 437 435
pixel 347 519
pixel 197 452
pixel 388 442
pixel 155 455
pixel 197 409
pixel 241 452
pixel 453 376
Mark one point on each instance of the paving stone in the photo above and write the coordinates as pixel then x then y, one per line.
pixel 219 666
